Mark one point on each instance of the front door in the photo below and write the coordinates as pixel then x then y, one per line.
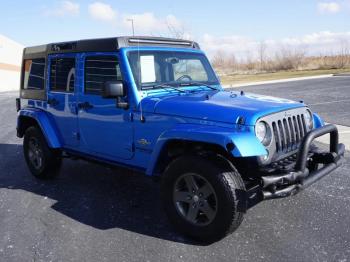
pixel 105 130
pixel 62 97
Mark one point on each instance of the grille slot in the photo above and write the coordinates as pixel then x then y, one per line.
pixel 288 132
pixel 286 129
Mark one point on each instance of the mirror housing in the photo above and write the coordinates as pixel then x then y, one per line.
pixel 115 89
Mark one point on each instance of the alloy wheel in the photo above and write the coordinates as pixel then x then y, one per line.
pixel 35 153
pixel 195 199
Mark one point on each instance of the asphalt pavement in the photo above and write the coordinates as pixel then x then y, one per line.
pixel 330 97
pixel 93 213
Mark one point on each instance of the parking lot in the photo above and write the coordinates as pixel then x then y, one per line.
pixel 93 213
pixel 329 97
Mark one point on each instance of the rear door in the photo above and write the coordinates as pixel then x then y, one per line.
pixel 61 97
pixel 105 130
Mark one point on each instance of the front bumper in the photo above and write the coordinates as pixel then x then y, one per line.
pixel 305 171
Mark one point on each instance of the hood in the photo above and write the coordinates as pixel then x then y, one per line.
pixel 222 106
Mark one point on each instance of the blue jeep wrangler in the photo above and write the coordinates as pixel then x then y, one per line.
pixel 156 105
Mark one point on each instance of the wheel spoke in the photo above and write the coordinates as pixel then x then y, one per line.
pixel 35 153
pixel 39 160
pixel 32 146
pixel 39 153
pixel 205 190
pixel 191 183
pixel 36 161
pixel 208 211
pixel 192 214
pixel 30 154
pixel 180 196
pixel 195 199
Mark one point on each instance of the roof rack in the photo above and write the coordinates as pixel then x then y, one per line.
pixel 105 45
pixel 161 41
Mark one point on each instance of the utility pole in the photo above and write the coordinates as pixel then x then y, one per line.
pixel 132 25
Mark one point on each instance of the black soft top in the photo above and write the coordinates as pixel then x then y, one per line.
pixel 104 45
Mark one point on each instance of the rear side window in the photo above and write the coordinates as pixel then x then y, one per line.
pixel 98 70
pixel 62 74
pixel 34 74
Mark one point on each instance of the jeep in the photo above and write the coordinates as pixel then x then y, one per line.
pixel 156 105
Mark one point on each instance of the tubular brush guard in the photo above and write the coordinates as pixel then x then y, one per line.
pixel 292 182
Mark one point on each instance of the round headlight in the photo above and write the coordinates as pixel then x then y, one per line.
pixel 309 119
pixel 263 133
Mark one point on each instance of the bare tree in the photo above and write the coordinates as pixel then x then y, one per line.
pixel 342 58
pixel 262 54
pixel 288 58
pixel 232 62
pixel 178 32
pixel 250 65
pixel 218 59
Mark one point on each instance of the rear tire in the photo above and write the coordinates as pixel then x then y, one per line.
pixel 43 162
pixel 208 208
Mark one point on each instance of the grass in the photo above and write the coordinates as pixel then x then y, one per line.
pixel 234 79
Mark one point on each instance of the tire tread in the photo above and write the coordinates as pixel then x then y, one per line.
pixel 52 158
pixel 230 183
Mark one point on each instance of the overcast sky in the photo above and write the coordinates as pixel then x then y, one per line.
pixel 233 26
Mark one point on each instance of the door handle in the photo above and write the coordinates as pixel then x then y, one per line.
pixel 53 101
pixel 85 105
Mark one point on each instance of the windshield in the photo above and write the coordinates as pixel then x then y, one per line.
pixel 152 69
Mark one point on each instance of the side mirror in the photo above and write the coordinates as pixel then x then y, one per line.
pixel 115 89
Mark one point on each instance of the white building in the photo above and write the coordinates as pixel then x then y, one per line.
pixel 10 64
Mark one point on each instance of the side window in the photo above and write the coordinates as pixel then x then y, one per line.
pixel 98 70
pixel 34 74
pixel 193 68
pixel 62 74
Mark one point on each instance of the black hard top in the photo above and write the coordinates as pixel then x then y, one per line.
pixel 105 45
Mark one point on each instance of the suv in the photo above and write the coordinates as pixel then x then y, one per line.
pixel 157 106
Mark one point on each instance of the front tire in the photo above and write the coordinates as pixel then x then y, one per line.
pixel 203 199
pixel 43 162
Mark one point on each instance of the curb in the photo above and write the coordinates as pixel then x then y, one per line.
pixel 279 81
pixel 342 74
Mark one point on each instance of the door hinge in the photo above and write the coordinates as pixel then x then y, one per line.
pixel 76 135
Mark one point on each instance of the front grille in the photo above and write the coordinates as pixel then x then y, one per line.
pixel 288 128
pixel 288 132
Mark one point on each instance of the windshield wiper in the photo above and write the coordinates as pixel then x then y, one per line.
pixel 163 86
pixel 194 83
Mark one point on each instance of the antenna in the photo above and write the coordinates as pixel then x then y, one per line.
pixel 132 25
